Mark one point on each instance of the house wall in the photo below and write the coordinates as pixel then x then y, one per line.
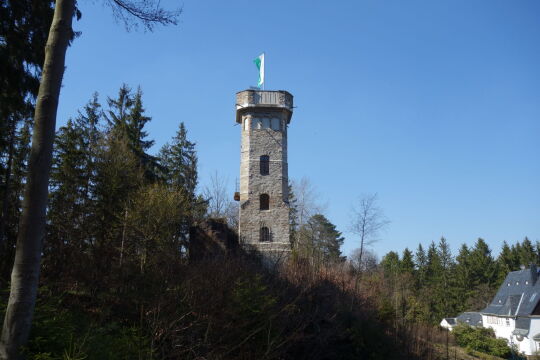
pixel 446 325
pixel 503 330
pixel 528 345
pixel 502 326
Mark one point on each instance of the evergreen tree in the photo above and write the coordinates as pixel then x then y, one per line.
pixel 407 263
pixel 179 162
pixel 11 199
pixel 293 216
pixel 434 266
pixel 73 177
pixel 483 266
pixel 537 249
pixel 26 269
pixel 421 266
pixel 178 168
pixel 391 264
pixel 484 273
pixel 444 290
pixel 126 121
pixel 462 278
pixel 506 262
pixel 527 254
pixel 24 27
pixel 320 240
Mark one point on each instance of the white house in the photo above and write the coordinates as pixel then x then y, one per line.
pixel 514 313
pixel 469 318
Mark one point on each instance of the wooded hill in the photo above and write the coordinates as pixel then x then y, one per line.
pixel 116 281
pixel 432 283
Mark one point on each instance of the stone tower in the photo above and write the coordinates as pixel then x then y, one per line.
pixel 264 205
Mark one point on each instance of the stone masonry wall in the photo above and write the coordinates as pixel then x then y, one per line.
pixel 257 142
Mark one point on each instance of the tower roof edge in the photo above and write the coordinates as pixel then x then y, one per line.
pixel 263 99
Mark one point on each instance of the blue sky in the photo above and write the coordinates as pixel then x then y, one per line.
pixel 434 105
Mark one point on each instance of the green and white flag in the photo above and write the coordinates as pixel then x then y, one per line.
pixel 259 62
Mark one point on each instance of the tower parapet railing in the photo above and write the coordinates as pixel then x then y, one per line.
pixel 279 99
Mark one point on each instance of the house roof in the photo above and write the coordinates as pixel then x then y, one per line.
pixel 518 295
pixel 470 318
pixel 450 321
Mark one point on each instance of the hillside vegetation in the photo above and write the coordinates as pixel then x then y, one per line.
pixel 117 282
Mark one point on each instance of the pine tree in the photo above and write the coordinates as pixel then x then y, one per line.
pixel 73 178
pixel 11 203
pixel 483 266
pixel 421 267
pixel 26 268
pixel 407 265
pixel 178 168
pixel 507 262
pixel 127 119
pixel 391 264
pixel 179 162
pixel 293 216
pixel 23 33
pixel 462 275
pixel 321 241
pixel 484 273
pixel 445 288
pixel 434 266
pixel 527 254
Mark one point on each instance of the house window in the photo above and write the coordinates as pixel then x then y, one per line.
pixel 507 322
pixel 264 234
pixel 264 202
pixel 265 164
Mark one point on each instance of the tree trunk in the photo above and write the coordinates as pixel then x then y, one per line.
pixel 25 274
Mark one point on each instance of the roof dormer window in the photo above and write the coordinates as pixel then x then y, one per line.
pixel 517 283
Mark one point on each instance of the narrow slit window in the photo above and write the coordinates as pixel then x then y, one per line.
pixel 264 234
pixel 264 200
pixel 265 165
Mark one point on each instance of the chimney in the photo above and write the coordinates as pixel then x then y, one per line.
pixel 534 273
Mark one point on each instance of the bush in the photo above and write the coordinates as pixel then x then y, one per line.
pixel 482 340
pixel 60 333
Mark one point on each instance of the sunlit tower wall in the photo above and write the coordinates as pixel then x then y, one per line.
pixel 264 205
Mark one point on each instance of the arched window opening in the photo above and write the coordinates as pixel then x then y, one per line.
pixel 264 201
pixel 264 234
pixel 265 165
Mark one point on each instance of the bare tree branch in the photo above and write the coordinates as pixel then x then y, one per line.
pixel 220 204
pixel 307 200
pixel 148 12
pixel 367 221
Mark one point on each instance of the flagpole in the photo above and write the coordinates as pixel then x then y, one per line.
pixel 264 68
